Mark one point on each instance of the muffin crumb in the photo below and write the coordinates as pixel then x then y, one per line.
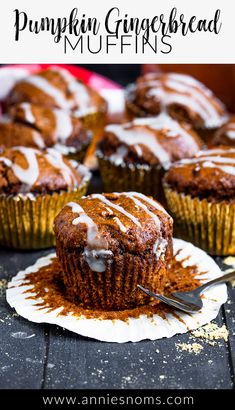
pixel 188 347
pixel 211 332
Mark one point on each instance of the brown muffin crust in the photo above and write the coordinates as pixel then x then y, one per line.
pixel 210 174
pixel 135 238
pixel 24 170
pixel 34 89
pixel 55 125
pixel 109 243
pixel 57 88
pixel 14 134
pixel 150 141
pixel 182 96
pixel 225 135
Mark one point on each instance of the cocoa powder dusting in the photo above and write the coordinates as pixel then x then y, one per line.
pixel 48 285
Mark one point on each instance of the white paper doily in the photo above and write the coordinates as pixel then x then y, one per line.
pixel 135 329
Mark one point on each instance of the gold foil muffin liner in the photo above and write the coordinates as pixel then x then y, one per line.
pixel 209 225
pixel 22 296
pixel 139 178
pixel 26 220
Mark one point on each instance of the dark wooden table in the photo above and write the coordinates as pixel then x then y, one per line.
pixel 47 357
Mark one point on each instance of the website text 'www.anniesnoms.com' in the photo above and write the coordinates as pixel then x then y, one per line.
pixel 130 400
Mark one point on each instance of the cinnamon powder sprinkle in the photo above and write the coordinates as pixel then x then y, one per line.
pixel 48 286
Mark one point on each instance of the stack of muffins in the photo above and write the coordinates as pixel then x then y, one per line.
pixel 173 147
pixel 50 121
pixel 166 149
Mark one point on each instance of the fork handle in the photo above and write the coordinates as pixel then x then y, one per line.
pixel 225 278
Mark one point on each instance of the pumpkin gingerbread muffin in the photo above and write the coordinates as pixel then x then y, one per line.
pixel 181 96
pixel 135 155
pixel 200 193
pixel 107 244
pixel 34 186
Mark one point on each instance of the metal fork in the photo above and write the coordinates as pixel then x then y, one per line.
pixel 189 302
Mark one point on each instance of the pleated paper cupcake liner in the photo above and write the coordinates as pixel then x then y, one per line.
pixel 209 225
pixel 116 288
pixel 26 221
pixel 112 328
pixel 139 178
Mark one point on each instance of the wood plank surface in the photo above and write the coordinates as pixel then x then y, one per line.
pixel 23 344
pixel 43 356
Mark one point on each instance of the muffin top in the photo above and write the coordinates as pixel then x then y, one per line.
pixel 100 225
pixel 14 134
pixel 210 174
pixel 56 126
pixel 182 96
pixel 24 170
pixel 225 135
pixel 150 141
pixel 56 87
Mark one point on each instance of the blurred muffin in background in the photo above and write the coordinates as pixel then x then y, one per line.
pixel 181 96
pixel 200 194
pixel 58 128
pixel 226 134
pixel 56 88
pixel 34 186
pixel 135 155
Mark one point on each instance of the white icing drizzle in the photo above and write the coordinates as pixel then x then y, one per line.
pixel 56 160
pixel 160 245
pixel 150 201
pixel 64 127
pixel 86 174
pixel 45 86
pixel 138 151
pixel 138 135
pixel 6 161
pixel 109 210
pixel 225 164
pixel 93 238
pixel 120 224
pixel 38 140
pixel 221 160
pixel 29 175
pixel 231 134
pixel 8 78
pixel 79 91
pixel 117 207
pixel 95 258
pixel 118 156
pixel 64 149
pixel 224 168
pixel 28 114
pixel 95 253
pixel 186 91
pixel 140 204
pixel 228 129
pixel 215 151
pixel 169 126
pixel 81 96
